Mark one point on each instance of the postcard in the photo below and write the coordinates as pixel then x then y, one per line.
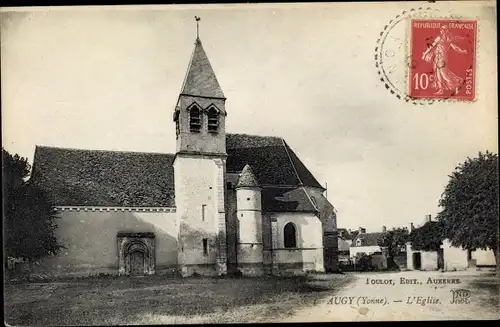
pixel 247 163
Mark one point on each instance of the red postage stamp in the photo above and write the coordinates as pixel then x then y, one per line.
pixel 443 56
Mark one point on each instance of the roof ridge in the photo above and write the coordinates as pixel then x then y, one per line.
pixel 256 135
pixel 100 150
pixel 291 162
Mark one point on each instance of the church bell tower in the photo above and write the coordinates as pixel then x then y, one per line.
pixel 200 169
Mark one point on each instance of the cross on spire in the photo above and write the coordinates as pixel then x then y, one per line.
pixel 197 28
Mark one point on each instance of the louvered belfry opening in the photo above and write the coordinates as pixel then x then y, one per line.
pixel 213 120
pixel 195 120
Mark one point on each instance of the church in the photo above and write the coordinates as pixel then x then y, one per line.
pixel 222 204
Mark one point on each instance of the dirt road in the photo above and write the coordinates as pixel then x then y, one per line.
pixel 411 295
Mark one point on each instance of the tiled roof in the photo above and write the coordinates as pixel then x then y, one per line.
pixel 114 178
pixel 104 178
pixel 323 206
pixel 272 160
pixel 368 239
pixel 200 78
pixel 247 178
pixel 279 199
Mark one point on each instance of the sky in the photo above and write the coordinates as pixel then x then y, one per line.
pixel 109 78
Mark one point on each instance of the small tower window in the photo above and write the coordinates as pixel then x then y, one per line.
pixel 205 246
pixel 203 208
pixel 213 120
pixel 290 235
pixel 194 119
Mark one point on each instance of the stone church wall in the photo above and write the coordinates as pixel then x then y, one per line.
pixel 328 218
pixel 231 222
pixel 308 256
pixel 204 141
pixel 91 239
pixel 199 196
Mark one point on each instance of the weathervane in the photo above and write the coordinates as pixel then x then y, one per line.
pixel 197 27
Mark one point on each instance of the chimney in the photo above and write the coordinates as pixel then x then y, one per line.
pixel 411 227
pixel 361 230
pixel 428 218
pixel 384 229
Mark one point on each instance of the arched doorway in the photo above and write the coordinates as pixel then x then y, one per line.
pixel 136 263
pixel 136 253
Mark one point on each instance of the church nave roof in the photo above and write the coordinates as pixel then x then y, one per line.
pixel 76 177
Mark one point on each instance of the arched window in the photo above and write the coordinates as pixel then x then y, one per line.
pixel 194 119
pixel 213 120
pixel 290 235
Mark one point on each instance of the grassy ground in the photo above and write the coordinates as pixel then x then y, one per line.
pixel 488 290
pixel 163 300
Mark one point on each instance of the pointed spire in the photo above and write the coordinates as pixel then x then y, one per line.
pixel 200 78
pixel 247 178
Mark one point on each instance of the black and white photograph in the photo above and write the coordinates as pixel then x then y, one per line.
pixel 250 163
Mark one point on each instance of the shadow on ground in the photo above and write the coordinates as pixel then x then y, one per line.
pixel 122 300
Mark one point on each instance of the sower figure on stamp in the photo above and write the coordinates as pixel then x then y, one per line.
pixel 444 78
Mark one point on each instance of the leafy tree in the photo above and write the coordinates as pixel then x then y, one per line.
pixel 428 237
pixel 363 262
pixel 15 170
pixel 28 214
pixel 394 240
pixel 470 204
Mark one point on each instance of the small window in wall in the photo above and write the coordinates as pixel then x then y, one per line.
pixel 359 242
pixel 213 120
pixel 290 236
pixel 194 119
pixel 205 246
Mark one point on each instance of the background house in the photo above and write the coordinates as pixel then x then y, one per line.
pixel 365 242
pixel 344 243
pixel 447 257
